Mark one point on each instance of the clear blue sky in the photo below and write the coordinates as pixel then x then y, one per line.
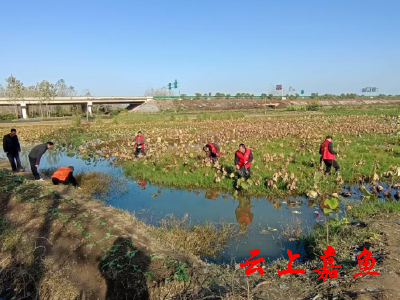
pixel 124 47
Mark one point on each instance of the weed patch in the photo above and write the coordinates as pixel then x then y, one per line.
pixel 198 239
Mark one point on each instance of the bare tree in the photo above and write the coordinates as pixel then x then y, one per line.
pixel 86 93
pixel 47 93
pixel 2 91
pixel 14 92
pixel 61 89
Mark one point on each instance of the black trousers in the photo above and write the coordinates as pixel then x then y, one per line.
pixel 244 172
pixel 35 172
pixel 139 150
pixel 329 163
pixel 14 160
pixel 213 157
pixel 70 179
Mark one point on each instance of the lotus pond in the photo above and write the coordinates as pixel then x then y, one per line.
pixel 271 225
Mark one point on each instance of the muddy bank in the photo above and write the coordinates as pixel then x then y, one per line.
pixel 57 243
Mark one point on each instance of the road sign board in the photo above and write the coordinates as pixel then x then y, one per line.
pixel 279 87
pixel 302 92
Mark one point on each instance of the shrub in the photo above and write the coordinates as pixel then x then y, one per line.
pixel 76 121
pixel 7 117
pixel 114 113
pixel 296 108
pixel 172 117
pixel 314 106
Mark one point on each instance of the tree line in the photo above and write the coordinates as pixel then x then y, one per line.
pixel 289 96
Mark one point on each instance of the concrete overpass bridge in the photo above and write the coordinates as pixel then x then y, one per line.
pixel 86 102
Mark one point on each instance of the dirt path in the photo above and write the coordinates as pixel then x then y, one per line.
pixel 387 284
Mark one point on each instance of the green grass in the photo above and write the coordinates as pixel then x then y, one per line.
pixel 342 236
pixel 292 155
pixel 363 110
pixel 370 208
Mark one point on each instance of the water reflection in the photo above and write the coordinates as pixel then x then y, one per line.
pixel 142 184
pixel 211 195
pixel 243 213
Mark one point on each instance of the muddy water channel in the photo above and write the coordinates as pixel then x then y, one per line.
pixel 270 226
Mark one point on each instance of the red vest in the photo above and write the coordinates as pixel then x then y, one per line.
pixel 325 151
pixel 244 215
pixel 244 157
pixel 139 140
pixel 213 149
pixel 62 173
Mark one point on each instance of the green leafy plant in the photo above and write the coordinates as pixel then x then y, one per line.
pixel 329 205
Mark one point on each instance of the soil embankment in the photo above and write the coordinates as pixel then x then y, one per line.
pixel 213 104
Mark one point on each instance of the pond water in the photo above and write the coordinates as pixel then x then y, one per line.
pixel 262 223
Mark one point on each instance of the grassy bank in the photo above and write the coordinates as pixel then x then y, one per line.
pixel 292 161
pixel 350 233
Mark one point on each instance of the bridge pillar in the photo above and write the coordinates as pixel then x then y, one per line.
pixel 89 108
pixel 24 110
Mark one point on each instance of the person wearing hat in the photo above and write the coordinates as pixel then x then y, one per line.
pixel 139 144
pixel 64 175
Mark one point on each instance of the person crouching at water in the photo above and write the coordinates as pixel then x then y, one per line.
pixel 329 155
pixel 212 151
pixel 139 144
pixel 64 175
pixel 243 159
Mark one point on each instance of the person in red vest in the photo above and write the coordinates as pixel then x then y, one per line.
pixel 64 175
pixel 243 159
pixel 139 144
pixel 329 155
pixel 212 151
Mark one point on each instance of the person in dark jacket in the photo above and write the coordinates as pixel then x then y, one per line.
pixel 329 155
pixel 12 148
pixel 139 144
pixel 35 155
pixel 64 175
pixel 212 151
pixel 243 159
